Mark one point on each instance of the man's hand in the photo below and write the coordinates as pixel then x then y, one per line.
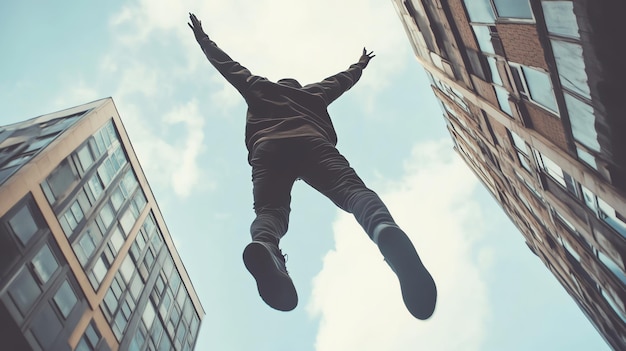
pixel 196 26
pixel 365 57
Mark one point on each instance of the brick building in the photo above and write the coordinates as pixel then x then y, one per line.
pixel 534 97
pixel 86 260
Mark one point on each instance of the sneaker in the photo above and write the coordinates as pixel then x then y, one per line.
pixel 418 287
pixel 266 263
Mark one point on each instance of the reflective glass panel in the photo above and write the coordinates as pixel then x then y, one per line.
pixel 23 224
pixel 65 299
pixel 540 88
pixel 46 327
pixel 483 36
pixel 24 291
pixel 503 99
pixel 571 66
pixel 513 9
pixel 480 11
pixel 583 122
pixel 45 264
pixel 560 18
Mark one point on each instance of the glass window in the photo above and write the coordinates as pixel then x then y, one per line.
pixel 117 240
pixel 571 250
pixel 513 9
pixel 560 18
pixel 165 304
pixel 87 244
pixel 117 198
pixel 96 186
pixel 127 269
pixel 480 11
pixel 99 270
pixel 61 179
pixel 136 287
pixel 583 122
pixel 84 157
pixel 77 211
pixel 24 291
pixel 82 346
pixel 540 88
pixel 493 66
pixel 46 327
pixel 571 66
pixel 65 299
pixel 23 224
pixel 519 143
pixel 483 36
pixel 586 157
pixel 608 214
pixel 612 266
pixel 44 264
pixel 107 215
pixel 503 99
pixel 127 221
pixel 148 315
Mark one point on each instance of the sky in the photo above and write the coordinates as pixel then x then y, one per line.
pixel 186 125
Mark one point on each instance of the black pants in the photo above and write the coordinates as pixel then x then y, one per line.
pixel 276 164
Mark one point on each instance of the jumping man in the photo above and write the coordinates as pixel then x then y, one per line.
pixel 289 136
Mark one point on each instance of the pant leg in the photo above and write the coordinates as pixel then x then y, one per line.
pixel 330 173
pixel 273 176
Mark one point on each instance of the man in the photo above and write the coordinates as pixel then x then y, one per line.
pixel 290 136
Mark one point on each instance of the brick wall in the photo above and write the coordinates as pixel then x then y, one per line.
pixel 460 19
pixel 521 44
pixel 546 124
pixel 485 90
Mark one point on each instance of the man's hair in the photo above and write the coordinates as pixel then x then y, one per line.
pixel 290 82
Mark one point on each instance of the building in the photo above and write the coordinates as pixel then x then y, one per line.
pixel 534 94
pixel 86 261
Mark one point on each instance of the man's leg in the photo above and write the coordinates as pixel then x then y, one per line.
pixel 330 173
pixel 272 181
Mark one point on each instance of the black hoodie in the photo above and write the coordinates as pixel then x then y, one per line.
pixel 284 109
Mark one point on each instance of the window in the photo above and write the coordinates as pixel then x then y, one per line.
pixel 99 272
pixel 560 18
pixel 107 216
pixel 60 180
pixel 513 9
pixel 96 186
pixel 127 221
pixel 84 157
pixel 612 266
pixel 583 122
pixel 483 36
pixel 480 11
pixel 44 264
pixel 571 66
pixel 503 99
pixel 611 217
pixel 46 327
pixel 127 269
pixel 148 315
pixel 117 240
pixel 90 339
pixel 555 172
pixel 65 299
pixel 519 143
pixel 24 291
pixel 23 224
pixel 540 88
pixel 117 198
pixel 493 66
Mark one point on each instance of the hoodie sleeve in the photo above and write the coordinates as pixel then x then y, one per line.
pixel 334 86
pixel 236 74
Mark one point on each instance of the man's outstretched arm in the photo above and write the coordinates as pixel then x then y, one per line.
pixel 338 84
pixel 236 74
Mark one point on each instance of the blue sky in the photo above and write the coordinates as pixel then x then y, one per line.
pixel 186 125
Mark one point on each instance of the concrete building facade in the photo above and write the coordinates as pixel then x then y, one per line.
pixel 87 262
pixel 534 97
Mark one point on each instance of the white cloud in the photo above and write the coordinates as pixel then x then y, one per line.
pixel 358 297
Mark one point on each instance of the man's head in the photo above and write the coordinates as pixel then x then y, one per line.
pixel 290 82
